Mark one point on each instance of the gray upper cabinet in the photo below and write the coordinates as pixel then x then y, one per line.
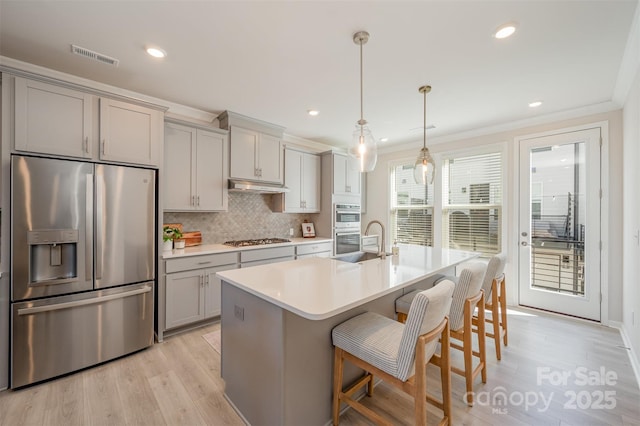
pixel 256 151
pixel 52 120
pixel 59 120
pixel 195 169
pixel 255 156
pixel 129 133
pixel 346 180
pixel 302 177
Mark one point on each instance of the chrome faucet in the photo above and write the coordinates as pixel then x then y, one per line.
pixel 381 250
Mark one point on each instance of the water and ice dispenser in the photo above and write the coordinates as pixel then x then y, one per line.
pixel 53 256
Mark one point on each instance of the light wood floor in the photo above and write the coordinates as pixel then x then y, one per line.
pixel 178 383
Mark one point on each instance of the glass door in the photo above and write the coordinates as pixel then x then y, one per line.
pixel 559 225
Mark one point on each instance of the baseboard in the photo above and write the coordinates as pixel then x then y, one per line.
pixel 633 356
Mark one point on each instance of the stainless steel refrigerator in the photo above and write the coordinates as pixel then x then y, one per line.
pixel 83 264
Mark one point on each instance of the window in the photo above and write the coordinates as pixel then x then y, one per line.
pixel 472 202
pixel 411 207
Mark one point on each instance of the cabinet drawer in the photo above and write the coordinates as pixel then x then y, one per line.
pixel 267 253
pixel 198 262
pixel 266 261
pixel 313 248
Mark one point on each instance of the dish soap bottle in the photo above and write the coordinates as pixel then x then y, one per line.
pixel 395 250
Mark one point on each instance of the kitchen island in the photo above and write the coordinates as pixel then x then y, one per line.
pixel 277 356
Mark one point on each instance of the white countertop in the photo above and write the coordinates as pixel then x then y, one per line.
pixel 319 288
pixel 221 248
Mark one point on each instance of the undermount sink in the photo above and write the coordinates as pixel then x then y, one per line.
pixel 358 256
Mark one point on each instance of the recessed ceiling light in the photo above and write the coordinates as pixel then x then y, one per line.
pixel 535 104
pixel 156 52
pixel 505 31
pixel 313 112
pixel 384 139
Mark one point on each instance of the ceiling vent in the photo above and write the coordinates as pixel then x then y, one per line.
pixel 94 55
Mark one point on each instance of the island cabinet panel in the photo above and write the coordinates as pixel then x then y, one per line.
pixel 60 120
pixel 195 169
pixel 192 288
pixel 52 120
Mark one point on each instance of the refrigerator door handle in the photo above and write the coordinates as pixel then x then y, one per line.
pixel 85 302
pixel 99 223
pixel 88 236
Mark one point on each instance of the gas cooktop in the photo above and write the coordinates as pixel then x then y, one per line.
pixel 257 242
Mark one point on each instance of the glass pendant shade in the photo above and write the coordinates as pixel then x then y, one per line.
pixel 363 150
pixel 424 170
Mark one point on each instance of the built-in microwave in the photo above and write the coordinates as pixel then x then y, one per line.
pixel 347 216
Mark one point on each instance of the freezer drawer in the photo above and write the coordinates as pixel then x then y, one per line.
pixel 62 334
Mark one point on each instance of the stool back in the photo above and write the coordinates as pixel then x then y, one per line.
pixel 427 311
pixel 469 284
pixel 495 268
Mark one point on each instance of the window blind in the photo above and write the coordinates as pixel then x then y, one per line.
pixel 411 208
pixel 472 204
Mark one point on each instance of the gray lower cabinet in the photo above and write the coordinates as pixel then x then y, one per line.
pixel 264 256
pixel 192 288
pixel 322 249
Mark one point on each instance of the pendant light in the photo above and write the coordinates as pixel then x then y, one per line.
pixel 425 169
pixel 363 148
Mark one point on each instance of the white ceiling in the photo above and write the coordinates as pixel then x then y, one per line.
pixel 275 60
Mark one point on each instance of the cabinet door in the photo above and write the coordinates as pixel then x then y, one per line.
pixel 293 180
pixel 211 192
pixel 270 158
pixel 52 120
pixel 339 174
pixel 129 133
pixel 213 285
pixel 184 298
pixel 179 168
pixel 244 146
pixel 353 180
pixel 311 182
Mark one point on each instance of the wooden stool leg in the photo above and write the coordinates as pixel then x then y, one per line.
pixel 338 368
pixel 420 386
pixel 445 373
pixel 467 348
pixel 482 339
pixel 503 309
pixel 495 318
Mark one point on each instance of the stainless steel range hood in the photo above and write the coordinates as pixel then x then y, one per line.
pixel 256 187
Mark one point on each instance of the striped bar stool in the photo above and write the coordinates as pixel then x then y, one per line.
pixel 495 301
pixel 397 353
pixel 466 297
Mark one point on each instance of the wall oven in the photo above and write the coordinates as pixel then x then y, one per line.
pixel 346 242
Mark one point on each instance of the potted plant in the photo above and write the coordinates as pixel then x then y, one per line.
pixel 178 241
pixel 169 234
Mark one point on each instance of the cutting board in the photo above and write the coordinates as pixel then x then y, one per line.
pixel 192 238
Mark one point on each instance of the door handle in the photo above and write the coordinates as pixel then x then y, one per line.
pixel 524 243
pixel 84 302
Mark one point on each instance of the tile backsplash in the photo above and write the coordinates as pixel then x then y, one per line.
pixel 249 216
